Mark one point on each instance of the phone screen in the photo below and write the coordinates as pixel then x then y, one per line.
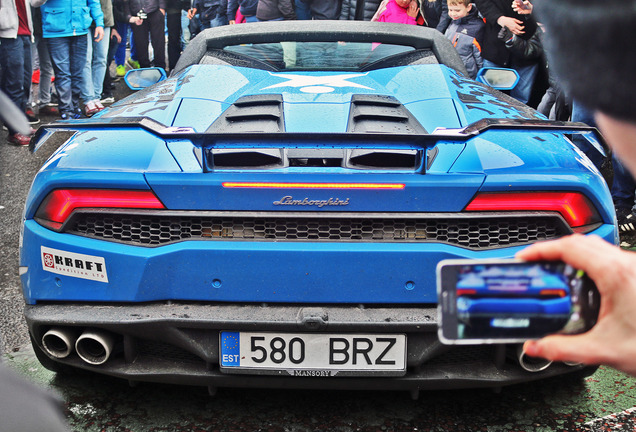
pixel 512 301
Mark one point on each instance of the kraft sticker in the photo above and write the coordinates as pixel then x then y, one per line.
pixel 74 264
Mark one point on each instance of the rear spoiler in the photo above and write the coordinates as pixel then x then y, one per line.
pixel 419 142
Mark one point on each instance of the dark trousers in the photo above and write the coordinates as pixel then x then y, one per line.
pixel 173 21
pixel 112 49
pixel 152 26
pixel 15 62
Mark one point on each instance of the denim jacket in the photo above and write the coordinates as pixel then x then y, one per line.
pixel 61 18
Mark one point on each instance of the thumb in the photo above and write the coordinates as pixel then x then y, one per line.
pixel 575 348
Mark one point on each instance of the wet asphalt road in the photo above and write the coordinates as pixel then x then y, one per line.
pixel 602 402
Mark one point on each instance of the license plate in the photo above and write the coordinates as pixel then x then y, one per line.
pixel 313 354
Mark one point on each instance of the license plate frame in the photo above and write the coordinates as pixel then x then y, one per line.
pixel 312 354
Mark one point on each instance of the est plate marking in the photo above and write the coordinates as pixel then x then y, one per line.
pixel 314 354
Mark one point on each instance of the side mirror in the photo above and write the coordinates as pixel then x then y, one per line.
pixel 498 78
pixel 138 79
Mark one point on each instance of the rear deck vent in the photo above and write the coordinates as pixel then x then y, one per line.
pixel 254 113
pixel 385 159
pixel 244 158
pixel 381 114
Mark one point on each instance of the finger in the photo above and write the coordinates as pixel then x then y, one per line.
pixel 590 253
pixel 577 349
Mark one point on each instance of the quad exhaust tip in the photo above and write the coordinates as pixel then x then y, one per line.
pixel 531 364
pixel 95 346
pixel 59 342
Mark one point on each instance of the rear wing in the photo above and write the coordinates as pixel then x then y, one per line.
pixel 283 145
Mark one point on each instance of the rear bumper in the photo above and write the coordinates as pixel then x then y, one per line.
pixel 179 344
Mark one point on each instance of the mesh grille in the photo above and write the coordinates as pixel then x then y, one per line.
pixel 474 233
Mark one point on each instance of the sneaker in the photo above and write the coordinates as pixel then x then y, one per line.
pixel 18 139
pixel 90 108
pixel 98 104
pixel 31 117
pixel 133 63
pixel 627 224
pixel 70 115
pixel 35 78
pixel 48 109
pixel 107 99
pixel 121 70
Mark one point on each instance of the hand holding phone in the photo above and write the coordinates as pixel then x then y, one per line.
pixel 510 301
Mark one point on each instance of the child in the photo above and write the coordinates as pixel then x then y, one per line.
pixel 400 11
pixel 465 32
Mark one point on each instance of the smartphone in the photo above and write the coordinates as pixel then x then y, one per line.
pixel 511 301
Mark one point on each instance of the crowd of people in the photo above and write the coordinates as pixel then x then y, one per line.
pixel 75 42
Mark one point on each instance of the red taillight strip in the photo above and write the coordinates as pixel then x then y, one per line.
pixel 553 292
pixel 465 291
pixel 60 203
pixel 575 208
pixel 275 185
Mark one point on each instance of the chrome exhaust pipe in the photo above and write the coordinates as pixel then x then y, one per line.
pixel 59 342
pixel 95 346
pixel 531 364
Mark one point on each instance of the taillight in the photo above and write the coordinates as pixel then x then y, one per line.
pixel 465 291
pixel 553 292
pixel 575 208
pixel 59 204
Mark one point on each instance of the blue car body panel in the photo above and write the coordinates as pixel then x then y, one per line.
pixel 173 158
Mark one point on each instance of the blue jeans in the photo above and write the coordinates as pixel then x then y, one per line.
pixel 120 55
pixel 46 71
pixel 15 62
pixel 584 115
pixel 219 21
pixel 623 186
pixel 68 55
pixel 303 11
pixel 95 66
pixel 527 75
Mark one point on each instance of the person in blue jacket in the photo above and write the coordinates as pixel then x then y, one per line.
pixel 65 24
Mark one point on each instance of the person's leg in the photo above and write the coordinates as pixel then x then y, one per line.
pixel 120 54
pixel 303 11
pixel 185 30
pixel 140 35
pixel 86 83
pixel 523 89
pixel 220 20
pixel 158 38
pixel 78 47
pixel 46 72
pixel 59 49
pixel 27 69
pixel 107 93
pixel 583 115
pixel 12 64
pixel 623 187
pixel 251 19
pixel 100 54
pixel 173 21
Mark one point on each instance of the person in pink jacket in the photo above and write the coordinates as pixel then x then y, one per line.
pixel 400 11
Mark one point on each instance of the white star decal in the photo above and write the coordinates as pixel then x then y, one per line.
pixel 298 81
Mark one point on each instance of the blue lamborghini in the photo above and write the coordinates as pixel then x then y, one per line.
pixel 272 213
